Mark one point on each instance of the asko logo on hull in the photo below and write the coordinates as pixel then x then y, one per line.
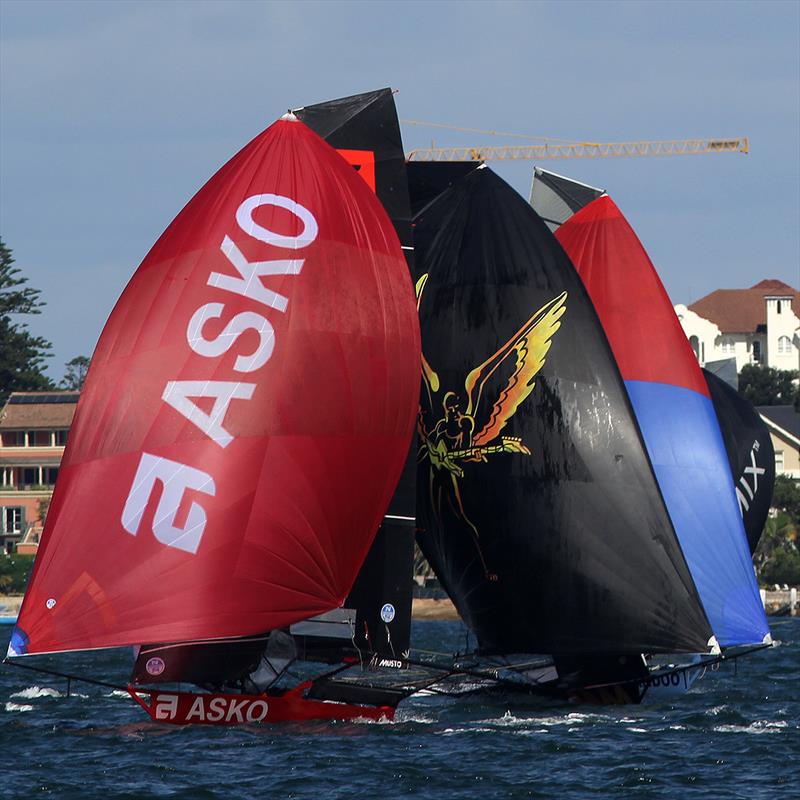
pixel 183 708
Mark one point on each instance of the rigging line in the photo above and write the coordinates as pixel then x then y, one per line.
pixel 488 132
pixel 67 675
pixel 469 673
pixel 714 664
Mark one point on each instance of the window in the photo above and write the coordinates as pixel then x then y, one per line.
pixel 12 519
pixel 50 475
pixel 779 306
pixel 728 346
pixel 38 438
pixel 779 462
pixel 30 476
pixel 757 351
pixel 784 345
pixel 13 438
pixel 61 438
pixel 695 344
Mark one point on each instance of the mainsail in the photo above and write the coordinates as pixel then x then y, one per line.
pixel 537 505
pixel 245 418
pixel 674 410
pixel 365 131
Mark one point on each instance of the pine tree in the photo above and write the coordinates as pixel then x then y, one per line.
pixel 22 355
pixel 75 373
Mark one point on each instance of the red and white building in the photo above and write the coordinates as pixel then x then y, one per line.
pixel 33 433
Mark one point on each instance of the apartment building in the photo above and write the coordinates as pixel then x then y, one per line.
pixel 33 433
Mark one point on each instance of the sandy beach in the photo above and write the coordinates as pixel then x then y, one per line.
pixel 9 604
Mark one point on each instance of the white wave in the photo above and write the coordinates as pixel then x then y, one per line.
pixel 119 693
pixel 569 719
pixel 18 707
pixel 508 720
pixel 757 727
pixel 32 692
pixel 403 715
pixel 457 731
pixel 677 727
pixel 638 730
pixel 716 710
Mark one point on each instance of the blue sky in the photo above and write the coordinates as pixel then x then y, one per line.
pixel 112 114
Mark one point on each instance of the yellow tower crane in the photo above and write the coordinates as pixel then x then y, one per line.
pixel 560 148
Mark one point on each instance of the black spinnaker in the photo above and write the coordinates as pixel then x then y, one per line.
pixel 750 454
pixel 537 504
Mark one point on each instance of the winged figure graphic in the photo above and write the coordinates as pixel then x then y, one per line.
pixel 472 421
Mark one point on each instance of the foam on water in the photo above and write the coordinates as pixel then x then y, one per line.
pixel 757 727
pixel 18 707
pixel 32 692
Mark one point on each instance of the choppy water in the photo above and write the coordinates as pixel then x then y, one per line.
pixel 733 736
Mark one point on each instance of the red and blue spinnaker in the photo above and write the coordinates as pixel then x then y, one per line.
pixel 675 413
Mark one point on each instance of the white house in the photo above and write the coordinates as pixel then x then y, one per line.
pixel 783 423
pixel 759 325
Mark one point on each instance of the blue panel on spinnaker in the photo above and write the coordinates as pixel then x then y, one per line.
pixel 685 446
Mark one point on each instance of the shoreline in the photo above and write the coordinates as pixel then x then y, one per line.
pixel 775 602
pixel 421 608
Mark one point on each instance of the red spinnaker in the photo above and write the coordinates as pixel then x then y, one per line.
pixel 645 335
pixel 245 418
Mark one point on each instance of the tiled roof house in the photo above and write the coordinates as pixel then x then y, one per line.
pixel 759 325
pixel 33 433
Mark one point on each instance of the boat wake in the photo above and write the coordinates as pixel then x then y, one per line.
pixel 33 692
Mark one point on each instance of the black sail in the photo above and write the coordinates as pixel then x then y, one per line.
pixel 750 454
pixel 556 198
pixel 365 129
pixel 428 179
pixel 537 504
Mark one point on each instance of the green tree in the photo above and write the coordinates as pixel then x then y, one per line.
pixel 75 373
pixel 777 559
pixel 786 497
pixel 22 355
pixel 767 386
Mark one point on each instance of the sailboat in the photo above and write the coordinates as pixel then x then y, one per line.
pixel 541 502
pixel 615 257
pixel 239 438
pixel 675 412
